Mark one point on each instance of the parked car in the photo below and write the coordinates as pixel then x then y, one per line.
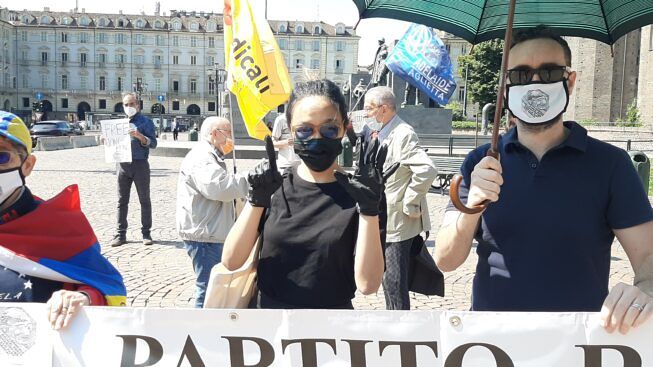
pixel 52 128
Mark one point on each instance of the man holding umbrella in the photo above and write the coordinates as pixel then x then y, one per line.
pixel 558 197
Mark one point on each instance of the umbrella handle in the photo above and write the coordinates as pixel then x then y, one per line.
pixel 455 196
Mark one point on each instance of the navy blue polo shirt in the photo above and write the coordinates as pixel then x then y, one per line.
pixel 545 245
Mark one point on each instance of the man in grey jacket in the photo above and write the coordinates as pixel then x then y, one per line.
pixel 206 190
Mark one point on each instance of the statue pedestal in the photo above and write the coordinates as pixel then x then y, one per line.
pixel 427 120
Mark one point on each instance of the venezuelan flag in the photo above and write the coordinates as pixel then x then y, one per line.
pixel 39 244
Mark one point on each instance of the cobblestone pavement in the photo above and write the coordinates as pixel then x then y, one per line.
pixel 161 275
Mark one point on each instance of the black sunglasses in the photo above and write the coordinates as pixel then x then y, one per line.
pixel 305 131
pixel 547 75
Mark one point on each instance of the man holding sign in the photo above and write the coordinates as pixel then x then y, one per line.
pixel 143 138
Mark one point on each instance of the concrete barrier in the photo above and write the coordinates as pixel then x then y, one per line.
pixel 83 141
pixel 54 143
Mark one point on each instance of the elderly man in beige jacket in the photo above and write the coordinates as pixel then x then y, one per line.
pixel 206 190
pixel 405 190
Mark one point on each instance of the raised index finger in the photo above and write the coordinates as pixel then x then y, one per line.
pixel 269 148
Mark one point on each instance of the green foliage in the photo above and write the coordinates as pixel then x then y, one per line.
pixel 464 125
pixel 483 66
pixel 632 113
pixel 588 122
pixel 457 111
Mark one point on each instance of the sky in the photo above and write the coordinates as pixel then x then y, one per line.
pixel 329 11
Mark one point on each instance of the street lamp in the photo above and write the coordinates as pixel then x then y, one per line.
pixel 218 77
pixel 139 87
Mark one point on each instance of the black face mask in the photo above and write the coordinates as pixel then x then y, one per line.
pixel 318 154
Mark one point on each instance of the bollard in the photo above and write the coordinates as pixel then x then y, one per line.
pixel 642 166
pixel 346 158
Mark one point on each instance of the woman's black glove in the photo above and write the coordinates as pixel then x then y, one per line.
pixel 264 179
pixel 366 185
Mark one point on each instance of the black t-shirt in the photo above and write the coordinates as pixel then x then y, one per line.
pixel 309 239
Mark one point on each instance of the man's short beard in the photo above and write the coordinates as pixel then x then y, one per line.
pixel 538 128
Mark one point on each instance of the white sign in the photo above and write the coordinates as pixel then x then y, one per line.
pixel 117 142
pixel 121 336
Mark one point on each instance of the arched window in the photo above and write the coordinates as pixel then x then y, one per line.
pixel 299 29
pixel 282 28
pixel 194 26
pixel 121 22
pixel 45 20
pixel 65 21
pixel 176 26
pixel 102 22
pixel 139 23
pixel 25 19
pixel 317 30
pixel 210 26
pixel 83 21
pixel 158 24
pixel 340 30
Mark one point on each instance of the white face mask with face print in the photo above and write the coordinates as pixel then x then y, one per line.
pixel 538 103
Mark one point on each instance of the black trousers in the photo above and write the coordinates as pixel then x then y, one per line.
pixel 137 172
pixel 395 278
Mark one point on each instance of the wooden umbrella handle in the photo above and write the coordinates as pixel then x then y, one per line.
pixel 455 195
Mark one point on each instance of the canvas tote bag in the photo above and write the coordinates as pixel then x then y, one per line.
pixel 233 289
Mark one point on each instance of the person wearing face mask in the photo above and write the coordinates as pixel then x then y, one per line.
pixel 48 251
pixel 405 191
pixel 206 190
pixel 143 138
pixel 318 226
pixel 558 198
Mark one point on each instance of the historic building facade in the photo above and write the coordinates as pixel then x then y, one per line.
pixel 82 62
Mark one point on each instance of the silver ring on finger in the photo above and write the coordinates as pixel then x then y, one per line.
pixel 638 307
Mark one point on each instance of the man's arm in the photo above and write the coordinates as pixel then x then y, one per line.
pixel 215 183
pixel 457 230
pixel 629 306
pixel 423 173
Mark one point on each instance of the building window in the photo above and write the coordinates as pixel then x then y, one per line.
pixel 25 19
pixel 64 37
pixel 193 86
pixel 45 20
pixel 44 81
pixel 210 60
pixel 25 82
pixel 119 83
pixel 23 36
pixel 83 82
pixel 211 86
pixel 120 60
pixel 102 38
pixel 315 64
pixel 175 59
pixel 83 38
pixel 299 45
pixel 64 81
pixel 176 26
pixel 64 103
pixel 194 26
pixel 175 85
pixel 44 58
pixel 158 24
pixel 120 39
pixel 103 83
pixel 65 21
pixel 193 41
pixel 23 55
pixel 340 65
pixel 316 45
pixel 102 60
pixel 139 23
pixel 175 41
pixel 299 63
pixel 139 59
pixel 102 22
pixel 211 42
pixel 283 44
pixel 44 36
pixel 175 105
pixel 211 106
pixel 157 84
pixel 159 40
pixel 64 58
pixel 158 60
pixel 299 29
pixel 139 39
pixel 102 104
pixel 193 60
pixel 340 46
pixel 210 27
pixel 25 102
pixel 83 57
pixel 317 30
pixel 84 21
pixel 340 30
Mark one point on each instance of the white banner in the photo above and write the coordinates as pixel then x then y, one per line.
pixel 117 142
pixel 130 337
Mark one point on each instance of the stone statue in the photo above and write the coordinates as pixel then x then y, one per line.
pixel 380 70
pixel 409 92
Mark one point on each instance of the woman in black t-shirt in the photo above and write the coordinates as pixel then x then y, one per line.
pixel 319 226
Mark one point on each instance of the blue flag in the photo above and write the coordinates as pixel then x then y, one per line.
pixel 422 60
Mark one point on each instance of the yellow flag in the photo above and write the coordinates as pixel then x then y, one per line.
pixel 257 69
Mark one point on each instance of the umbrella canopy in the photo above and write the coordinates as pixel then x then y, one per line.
pixel 481 20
